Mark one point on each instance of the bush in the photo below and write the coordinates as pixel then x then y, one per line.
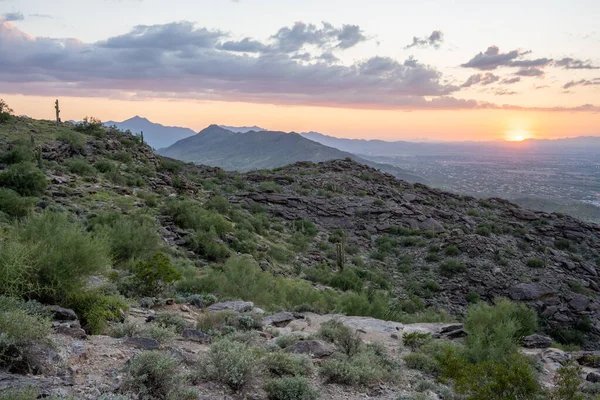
pixel 14 205
pixel 231 363
pixel 80 166
pixel 105 166
pixel 286 340
pixel 291 389
pixel 452 266
pixel 20 151
pixel 5 111
pixel 170 165
pixel 95 308
pixel 215 321
pixel 153 277
pixel 152 375
pixel 283 364
pixel 421 362
pixel 74 139
pixel 347 339
pixel 167 320
pixel 567 383
pixel 48 257
pixel 90 125
pixel 415 340
pixel 452 251
pixel 536 263
pixel 22 330
pixel 494 332
pixel 24 178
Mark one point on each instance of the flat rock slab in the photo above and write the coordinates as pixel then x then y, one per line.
pixel 279 319
pixel 196 336
pixel 238 306
pixel 312 348
pixel 537 342
pixel 62 314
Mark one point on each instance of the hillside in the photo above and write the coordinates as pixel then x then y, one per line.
pixel 219 147
pixel 125 273
pixel 156 135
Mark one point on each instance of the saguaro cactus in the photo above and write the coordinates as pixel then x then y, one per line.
pixel 57 112
pixel 340 255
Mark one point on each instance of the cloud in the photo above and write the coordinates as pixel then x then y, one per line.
pixel 13 16
pixel 530 71
pixel 572 63
pixel 290 40
pixel 510 81
pixel 246 45
pixel 582 82
pixel 434 40
pixel 492 58
pixel 481 79
pixel 540 62
pixel 504 92
pixel 45 16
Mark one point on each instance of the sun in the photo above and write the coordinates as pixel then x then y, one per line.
pixel 517 135
pixel 519 138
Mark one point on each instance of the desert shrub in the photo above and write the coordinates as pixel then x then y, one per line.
pixel 125 329
pixel 452 266
pixel 188 214
pixel 80 166
pixel 105 166
pixel 568 336
pixel 5 112
pixel 207 244
pixel 282 364
pixel 567 383
pixel 494 332
pixel 95 308
pixel 346 280
pixel 218 203
pixel 432 257
pixel 74 139
pixel 290 389
pixel 130 236
pixel 155 275
pixel 562 244
pixel 22 330
pixel 122 156
pixel 166 320
pixel 24 178
pixel 286 340
pixel 536 263
pixel 54 256
pixel 306 227
pixel 215 321
pixel 170 165
pixel 152 375
pixel 452 251
pixel 163 334
pixel 415 340
pixel 421 362
pixel 15 205
pixel 90 125
pixel 231 363
pixel 347 339
pixel 271 187
pixel 366 367
pixel 473 297
pixel 20 151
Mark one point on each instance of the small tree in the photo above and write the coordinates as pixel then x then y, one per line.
pixel 5 111
pixel 567 383
pixel 155 275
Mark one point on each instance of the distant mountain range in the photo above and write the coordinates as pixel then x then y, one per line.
pixel 254 150
pixel 156 135
pixel 582 144
pixel 243 129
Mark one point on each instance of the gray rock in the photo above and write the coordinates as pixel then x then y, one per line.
pixel 432 225
pixel 142 343
pixel 195 335
pixel 525 215
pixel 537 342
pixel 588 358
pixel 62 314
pixel 593 377
pixel 529 291
pixel 279 319
pixel 76 333
pixel 313 348
pixel 239 306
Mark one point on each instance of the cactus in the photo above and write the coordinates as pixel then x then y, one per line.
pixel 340 255
pixel 38 156
pixel 142 137
pixel 57 112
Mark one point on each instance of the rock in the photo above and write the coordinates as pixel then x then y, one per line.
pixel 142 343
pixel 279 319
pixel 76 333
pixel 529 291
pixel 170 302
pixel 579 302
pixel 593 377
pixel 239 306
pixel 537 342
pixel 431 225
pixel 62 314
pixel 588 358
pixel 525 215
pixel 313 348
pixel 297 325
pixel 184 308
pixel 196 336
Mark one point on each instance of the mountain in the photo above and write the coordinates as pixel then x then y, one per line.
pixel 243 129
pixel 583 144
pixel 220 147
pixel 156 135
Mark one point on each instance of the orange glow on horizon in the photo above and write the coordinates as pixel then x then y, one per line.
pixel 438 125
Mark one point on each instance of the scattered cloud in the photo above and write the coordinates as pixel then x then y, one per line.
pixel 434 40
pixel 12 16
pixel 530 71
pixel 510 81
pixel 45 16
pixel 481 79
pixel 492 58
pixel 573 63
pixel 582 82
pixel 504 92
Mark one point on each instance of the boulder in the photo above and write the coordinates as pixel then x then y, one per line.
pixel 593 377
pixel 279 319
pixel 76 333
pixel 537 342
pixel 313 348
pixel 196 336
pixel 238 306
pixel 525 215
pixel 431 225
pixel 529 291
pixel 588 358
pixel 62 314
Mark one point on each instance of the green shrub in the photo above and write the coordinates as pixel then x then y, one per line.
pixel 432 257
pixel 80 166
pixel 286 340
pixel 562 244
pixel 218 203
pixel 5 112
pixel 415 340
pixel 347 339
pixel 291 389
pixel 452 251
pixel 271 187
pixel 156 275
pixel 170 165
pixel 421 362
pixel 494 332
pixel 91 126
pixel 24 178
pixel 132 237
pixel 14 205
pixel 215 321
pixel 231 363
pixel 122 156
pixel 22 330
pixel 188 214
pixel 166 320
pixel 567 383
pixel 48 257
pixel 74 139
pixel 152 375
pixel 452 266
pixel 95 308
pixel 305 227
pixel 20 151
pixel 473 297
pixel 105 166
pixel 536 263
pixel 283 364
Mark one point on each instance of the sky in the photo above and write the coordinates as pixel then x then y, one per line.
pixel 388 69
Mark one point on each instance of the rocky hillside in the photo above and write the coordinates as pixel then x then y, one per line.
pixel 127 275
pixel 255 150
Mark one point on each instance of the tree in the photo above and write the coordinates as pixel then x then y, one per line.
pixel 155 275
pixel 5 111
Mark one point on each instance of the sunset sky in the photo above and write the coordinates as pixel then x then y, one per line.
pixel 433 69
